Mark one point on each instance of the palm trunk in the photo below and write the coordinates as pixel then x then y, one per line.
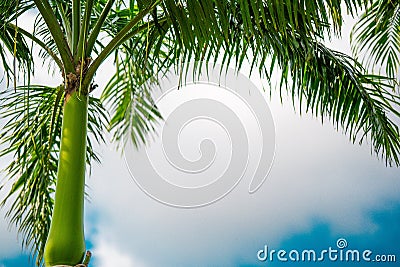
pixel 65 244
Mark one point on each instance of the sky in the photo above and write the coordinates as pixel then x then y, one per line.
pixel 320 189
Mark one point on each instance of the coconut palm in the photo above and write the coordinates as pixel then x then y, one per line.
pixel 48 131
pixel 377 34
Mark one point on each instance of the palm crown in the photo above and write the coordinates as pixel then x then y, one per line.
pixel 145 39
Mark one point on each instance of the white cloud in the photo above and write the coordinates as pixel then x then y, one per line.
pixel 317 176
pixel 108 255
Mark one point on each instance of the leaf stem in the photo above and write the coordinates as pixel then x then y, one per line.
pixel 97 27
pixel 49 17
pixel 84 32
pixel 114 43
pixel 66 23
pixel 40 43
pixel 76 24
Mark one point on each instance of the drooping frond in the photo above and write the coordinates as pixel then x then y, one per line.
pixel 127 94
pixel 376 36
pixel 15 55
pixel 334 86
pixel 286 36
pixel 175 32
pixel 31 137
pixel 128 98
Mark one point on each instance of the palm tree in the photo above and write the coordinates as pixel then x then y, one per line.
pixel 377 34
pixel 49 130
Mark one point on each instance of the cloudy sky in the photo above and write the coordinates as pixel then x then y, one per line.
pixel 320 188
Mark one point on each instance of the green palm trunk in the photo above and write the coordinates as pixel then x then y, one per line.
pixel 65 244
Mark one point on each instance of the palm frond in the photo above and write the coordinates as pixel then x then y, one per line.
pixel 193 30
pixel 127 96
pixel 376 36
pixel 12 44
pixel 32 137
pixel 335 86
pixel 207 24
pixel 62 12
pixel 289 37
pixel 41 31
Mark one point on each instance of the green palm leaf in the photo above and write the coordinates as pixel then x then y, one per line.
pixel 12 43
pixel 289 37
pixel 127 96
pixel 334 86
pixel 376 37
pixel 32 137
